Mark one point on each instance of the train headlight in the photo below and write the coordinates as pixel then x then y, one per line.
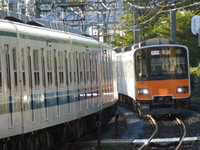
pixel 182 89
pixel 143 91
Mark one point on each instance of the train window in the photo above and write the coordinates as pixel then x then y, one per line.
pixel 49 69
pixel 109 69
pixel 55 68
pixel 84 68
pixel 96 65
pixel 91 75
pixel 36 68
pixel 70 67
pixel 141 65
pixel 29 67
pixel 168 61
pixel 0 73
pixel 23 69
pixel 66 65
pixel 75 65
pixel 81 67
pixel 8 67
pixel 87 67
pixel 14 55
pixel 77 68
pixel 60 68
pixel 43 67
pixel 93 68
pixel 105 68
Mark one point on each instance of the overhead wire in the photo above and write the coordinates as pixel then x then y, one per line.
pixel 162 11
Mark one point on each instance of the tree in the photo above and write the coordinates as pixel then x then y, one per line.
pixel 155 22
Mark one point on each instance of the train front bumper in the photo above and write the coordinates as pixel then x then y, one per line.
pixel 177 106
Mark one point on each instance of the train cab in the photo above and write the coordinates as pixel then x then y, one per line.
pixel 162 79
pixel 154 76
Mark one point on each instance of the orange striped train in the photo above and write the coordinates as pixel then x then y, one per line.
pixel 154 75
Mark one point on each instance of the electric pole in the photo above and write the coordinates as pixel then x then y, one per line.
pixel 136 35
pixel 173 21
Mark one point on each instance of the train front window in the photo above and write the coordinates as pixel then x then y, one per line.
pixel 141 65
pixel 167 62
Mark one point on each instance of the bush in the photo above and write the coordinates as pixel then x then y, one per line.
pixel 195 82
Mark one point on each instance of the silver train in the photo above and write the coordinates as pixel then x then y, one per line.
pixel 51 82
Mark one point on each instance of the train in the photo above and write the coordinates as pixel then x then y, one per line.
pixel 154 77
pixel 54 85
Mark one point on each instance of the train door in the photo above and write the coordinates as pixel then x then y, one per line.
pixel 24 92
pixel 100 80
pixel 93 79
pixel 95 93
pixel 79 85
pixel 44 85
pixel 71 87
pixel 9 86
pixel 88 83
pixel 76 85
pixel 30 84
pixel 109 76
pixel 66 60
pixel 61 81
pixel 56 84
pixel 49 82
pixel 104 76
pixel 14 85
pixel 85 80
pixel 13 89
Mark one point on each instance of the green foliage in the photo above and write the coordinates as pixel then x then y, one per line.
pixel 195 71
pixel 195 82
pixel 155 22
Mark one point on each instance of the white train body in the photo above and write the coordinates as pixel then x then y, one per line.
pixel 126 74
pixel 51 77
pixel 154 76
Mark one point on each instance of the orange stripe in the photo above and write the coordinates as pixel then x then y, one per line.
pixel 162 87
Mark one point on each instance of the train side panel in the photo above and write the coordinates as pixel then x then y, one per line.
pixel 126 76
pixel 10 89
pixel 46 73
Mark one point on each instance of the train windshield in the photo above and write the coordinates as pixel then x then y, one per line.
pixel 158 63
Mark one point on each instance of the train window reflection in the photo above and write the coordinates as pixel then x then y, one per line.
pixel 49 69
pixel 23 69
pixel 66 65
pixel 141 65
pixel 60 68
pixel 0 73
pixel 161 62
pixel 15 67
pixel 169 61
pixel 36 68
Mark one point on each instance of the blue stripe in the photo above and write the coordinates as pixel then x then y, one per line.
pixel 10 104
pixel 50 100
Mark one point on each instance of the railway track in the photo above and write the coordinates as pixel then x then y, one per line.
pixel 158 133
pixel 168 133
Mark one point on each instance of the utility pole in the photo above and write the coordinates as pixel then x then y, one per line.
pixel 136 35
pixel 105 24
pixel 37 10
pixel 173 21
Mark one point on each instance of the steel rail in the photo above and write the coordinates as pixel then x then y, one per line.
pixel 153 135
pixel 184 134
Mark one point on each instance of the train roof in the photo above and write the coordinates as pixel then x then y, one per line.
pixel 153 41
pixel 61 26
pixel 33 32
